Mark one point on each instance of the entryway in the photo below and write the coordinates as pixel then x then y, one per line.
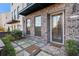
pixel 57 27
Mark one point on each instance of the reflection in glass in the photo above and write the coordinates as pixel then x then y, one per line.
pixel 28 26
pixel 56 29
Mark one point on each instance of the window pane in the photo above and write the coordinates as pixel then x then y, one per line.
pixel 56 30
pixel 17 12
pixel 28 26
pixel 38 26
pixel 38 21
pixel 28 23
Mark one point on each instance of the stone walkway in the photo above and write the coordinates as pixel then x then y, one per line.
pixel 46 50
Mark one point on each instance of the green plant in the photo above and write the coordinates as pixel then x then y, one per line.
pixel 8 49
pixel 71 47
pixel 11 38
pixel 16 33
pixel 77 45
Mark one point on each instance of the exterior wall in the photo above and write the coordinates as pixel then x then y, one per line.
pixel 1 24
pixel 72 21
pixel 4 18
pixel 14 7
pixel 0 20
pixel 44 13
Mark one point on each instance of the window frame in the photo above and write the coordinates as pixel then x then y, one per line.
pixel 55 13
pixel 58 31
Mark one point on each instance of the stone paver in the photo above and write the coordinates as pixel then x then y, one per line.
pixel 29 42
pixel 21 43
pixel 55 51
pixel 40 44
pixel 23 53
pixel 14 44
pixel 25 45
pixel 47 50
pixel 43 54
pixel 34 41
pixel 17 49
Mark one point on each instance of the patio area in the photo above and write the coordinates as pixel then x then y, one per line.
pixel 46 50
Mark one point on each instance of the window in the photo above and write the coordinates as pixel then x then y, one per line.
pixel 22 5
pixel 28 26
pixel 17 12
pixel 12 3
pixel 28 4
pixel 14 15
pixel 38 26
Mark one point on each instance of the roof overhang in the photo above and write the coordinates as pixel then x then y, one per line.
pixel 13 22
pixel 33 7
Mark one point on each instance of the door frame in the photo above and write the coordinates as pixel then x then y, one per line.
pixel 55 13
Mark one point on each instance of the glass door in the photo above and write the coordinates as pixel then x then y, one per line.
pixel 57 28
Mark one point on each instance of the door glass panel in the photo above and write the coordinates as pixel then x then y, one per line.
pixel 38 26
pixel 57 28
pixel 28 26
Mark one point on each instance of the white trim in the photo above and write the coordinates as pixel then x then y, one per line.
pixel 50 28
pixel 62 26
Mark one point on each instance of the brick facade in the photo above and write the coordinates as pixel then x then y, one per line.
pixel 72 29
pixel 70 25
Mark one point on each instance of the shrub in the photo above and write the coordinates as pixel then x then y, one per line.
pixel 11 38
pixel 8 49
pixel 16 33
pixel 71 47
pixel 77 45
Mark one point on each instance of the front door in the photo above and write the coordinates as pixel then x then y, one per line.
pixel 57 30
